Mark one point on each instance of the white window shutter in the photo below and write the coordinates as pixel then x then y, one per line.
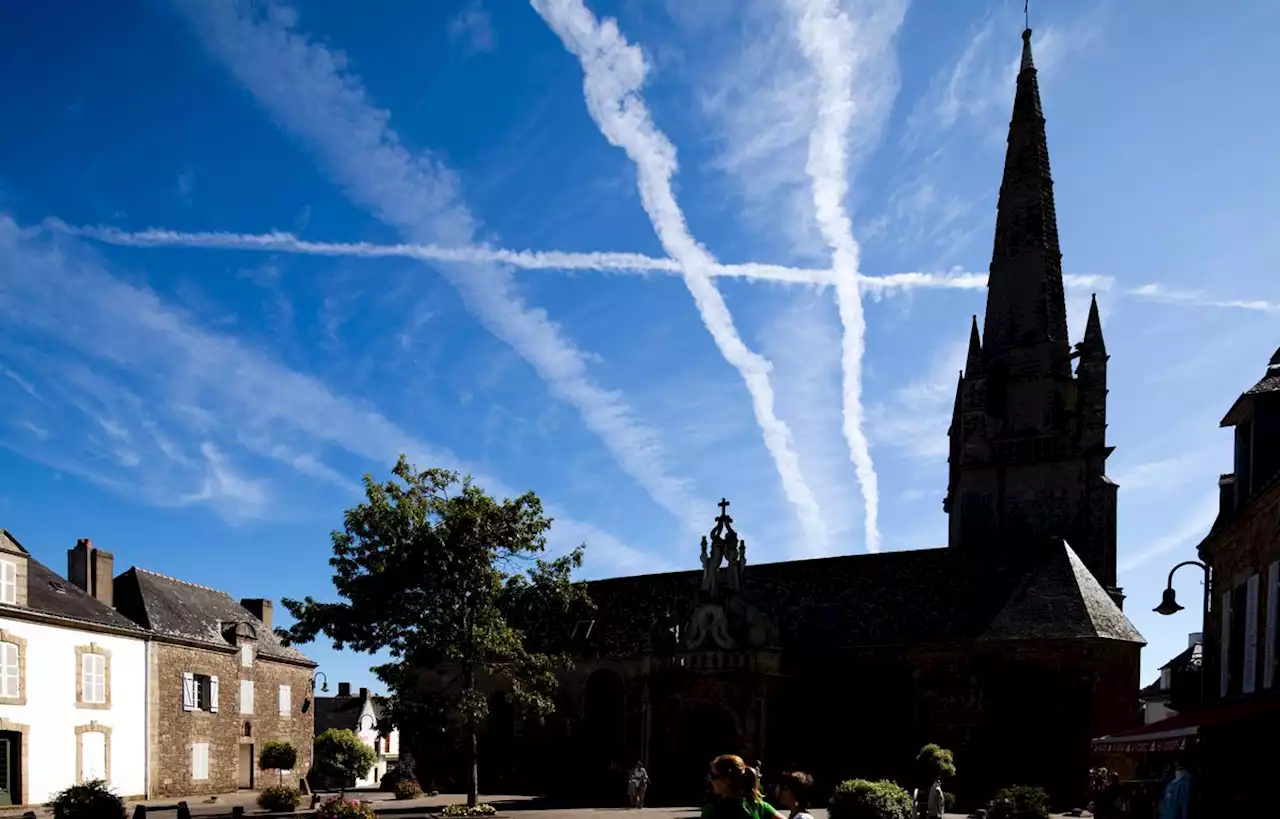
pixel 213 695
pixel 188 691
pixel 1269 649
pixel 286 700
pixel 1224 646
pixel 1251 636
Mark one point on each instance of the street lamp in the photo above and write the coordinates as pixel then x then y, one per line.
pixel 324 686
pixel 1169 605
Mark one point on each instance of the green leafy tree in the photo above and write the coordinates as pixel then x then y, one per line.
pixel 439 574
pixel 935 763
pixel 278 756
pixel 341 755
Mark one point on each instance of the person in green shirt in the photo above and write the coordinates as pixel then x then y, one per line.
pixel 735 789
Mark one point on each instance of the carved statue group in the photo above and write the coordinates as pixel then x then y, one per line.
pixel 725 546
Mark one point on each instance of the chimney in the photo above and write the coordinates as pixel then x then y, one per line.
pixel 364 693
pixel 93 570
pixel 1226 495
pixel 258 608
pixel 1195 638
pixel 344 689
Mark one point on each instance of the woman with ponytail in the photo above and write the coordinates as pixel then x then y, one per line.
pixel 735 788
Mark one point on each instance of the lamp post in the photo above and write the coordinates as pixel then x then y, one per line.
pixel 324 686
pixel 1169 605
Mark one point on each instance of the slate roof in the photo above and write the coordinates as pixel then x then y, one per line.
pixel 187 611
pixel 48 593
pixel 889 598
pixel 1269 384
pixel 1189 658
pixel 343 713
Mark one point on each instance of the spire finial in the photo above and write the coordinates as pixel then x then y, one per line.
pixel 1026 18
pixel 1027 62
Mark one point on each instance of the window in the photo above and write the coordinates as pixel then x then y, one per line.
pixel 10 671
pixel 286 701
pixel 200 760
pixel 246 656
pixel 1166 679
pixel 93 678
pixel 1273 610
pixel 199 692
pixel 8 582
pixel 246 696
pixel 93 756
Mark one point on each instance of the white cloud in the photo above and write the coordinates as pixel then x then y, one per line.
pixel 915 417
pixel 1196 298
pixel 191 402
pixel 473 26
pixel 1184 534
pixel 614 73
pixel 1165 474
pixel 849 61
pixel 307 89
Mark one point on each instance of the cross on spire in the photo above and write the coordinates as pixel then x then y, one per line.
pixel 724 506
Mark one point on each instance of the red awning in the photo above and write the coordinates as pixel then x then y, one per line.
pixel 1175 733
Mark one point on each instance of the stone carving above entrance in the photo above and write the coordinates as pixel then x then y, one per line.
pixel 725 547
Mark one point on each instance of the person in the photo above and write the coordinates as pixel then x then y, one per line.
pixel 1176 802
pixel 637 784
pixel 735 790
pixel 937 802
pixel 795 789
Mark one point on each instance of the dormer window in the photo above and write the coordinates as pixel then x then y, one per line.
pixel 8 582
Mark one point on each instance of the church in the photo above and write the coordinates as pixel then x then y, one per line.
pixel 1008 646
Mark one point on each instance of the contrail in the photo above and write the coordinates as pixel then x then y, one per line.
pixel 826 38
pixel 613 74
pixel 614 262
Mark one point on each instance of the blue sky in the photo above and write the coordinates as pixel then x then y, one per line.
pixel 202 399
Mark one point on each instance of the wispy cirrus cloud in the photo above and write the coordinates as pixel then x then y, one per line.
pixel 307 88
pixel 142 400
pixel 840 55
pixel 614 72
pixel 915 417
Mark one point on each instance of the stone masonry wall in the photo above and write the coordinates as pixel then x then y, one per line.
pixel 174 731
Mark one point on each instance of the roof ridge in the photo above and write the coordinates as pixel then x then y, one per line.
pixel 180 580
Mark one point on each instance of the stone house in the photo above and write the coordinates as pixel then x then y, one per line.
pixel 846 666
pixel 219 685
pixel 368 717
pixel 72 679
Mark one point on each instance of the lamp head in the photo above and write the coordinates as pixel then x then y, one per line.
pixel 1169 603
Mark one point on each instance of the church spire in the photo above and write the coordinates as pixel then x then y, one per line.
pixel 1092 344
pixel 1026 305
pixel 973 362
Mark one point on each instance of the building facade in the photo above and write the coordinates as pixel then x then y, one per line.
pixel 365 714
pixel 72 679
pixel 846 666
pixel 220 685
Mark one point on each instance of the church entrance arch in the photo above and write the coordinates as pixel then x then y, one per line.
pixel 707 730
pixel 603 729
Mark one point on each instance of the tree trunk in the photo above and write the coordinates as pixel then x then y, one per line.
pixel 472 755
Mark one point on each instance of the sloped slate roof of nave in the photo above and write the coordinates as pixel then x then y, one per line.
pixel 888 598
pixel 176 608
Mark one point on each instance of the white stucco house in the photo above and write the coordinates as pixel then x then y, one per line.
pixel 369 719
pixel 73 679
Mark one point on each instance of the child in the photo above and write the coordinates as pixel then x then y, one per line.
pixel 637 784
pixel 736 792
pixel 795 788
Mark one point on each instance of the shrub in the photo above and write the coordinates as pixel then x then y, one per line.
pixel 91 800
pixel 463 810
pixel 279 798
pixel 278 756
pixel 1021 802
pixel 860 799
pixel 408 789
pixel 948 802
pixel 339 808
pixel 342 757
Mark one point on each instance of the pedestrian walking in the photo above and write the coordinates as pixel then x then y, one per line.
pixel 637 784
pixel 795 789
pixel 736 792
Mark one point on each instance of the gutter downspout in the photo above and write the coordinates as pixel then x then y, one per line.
pixel 146 718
